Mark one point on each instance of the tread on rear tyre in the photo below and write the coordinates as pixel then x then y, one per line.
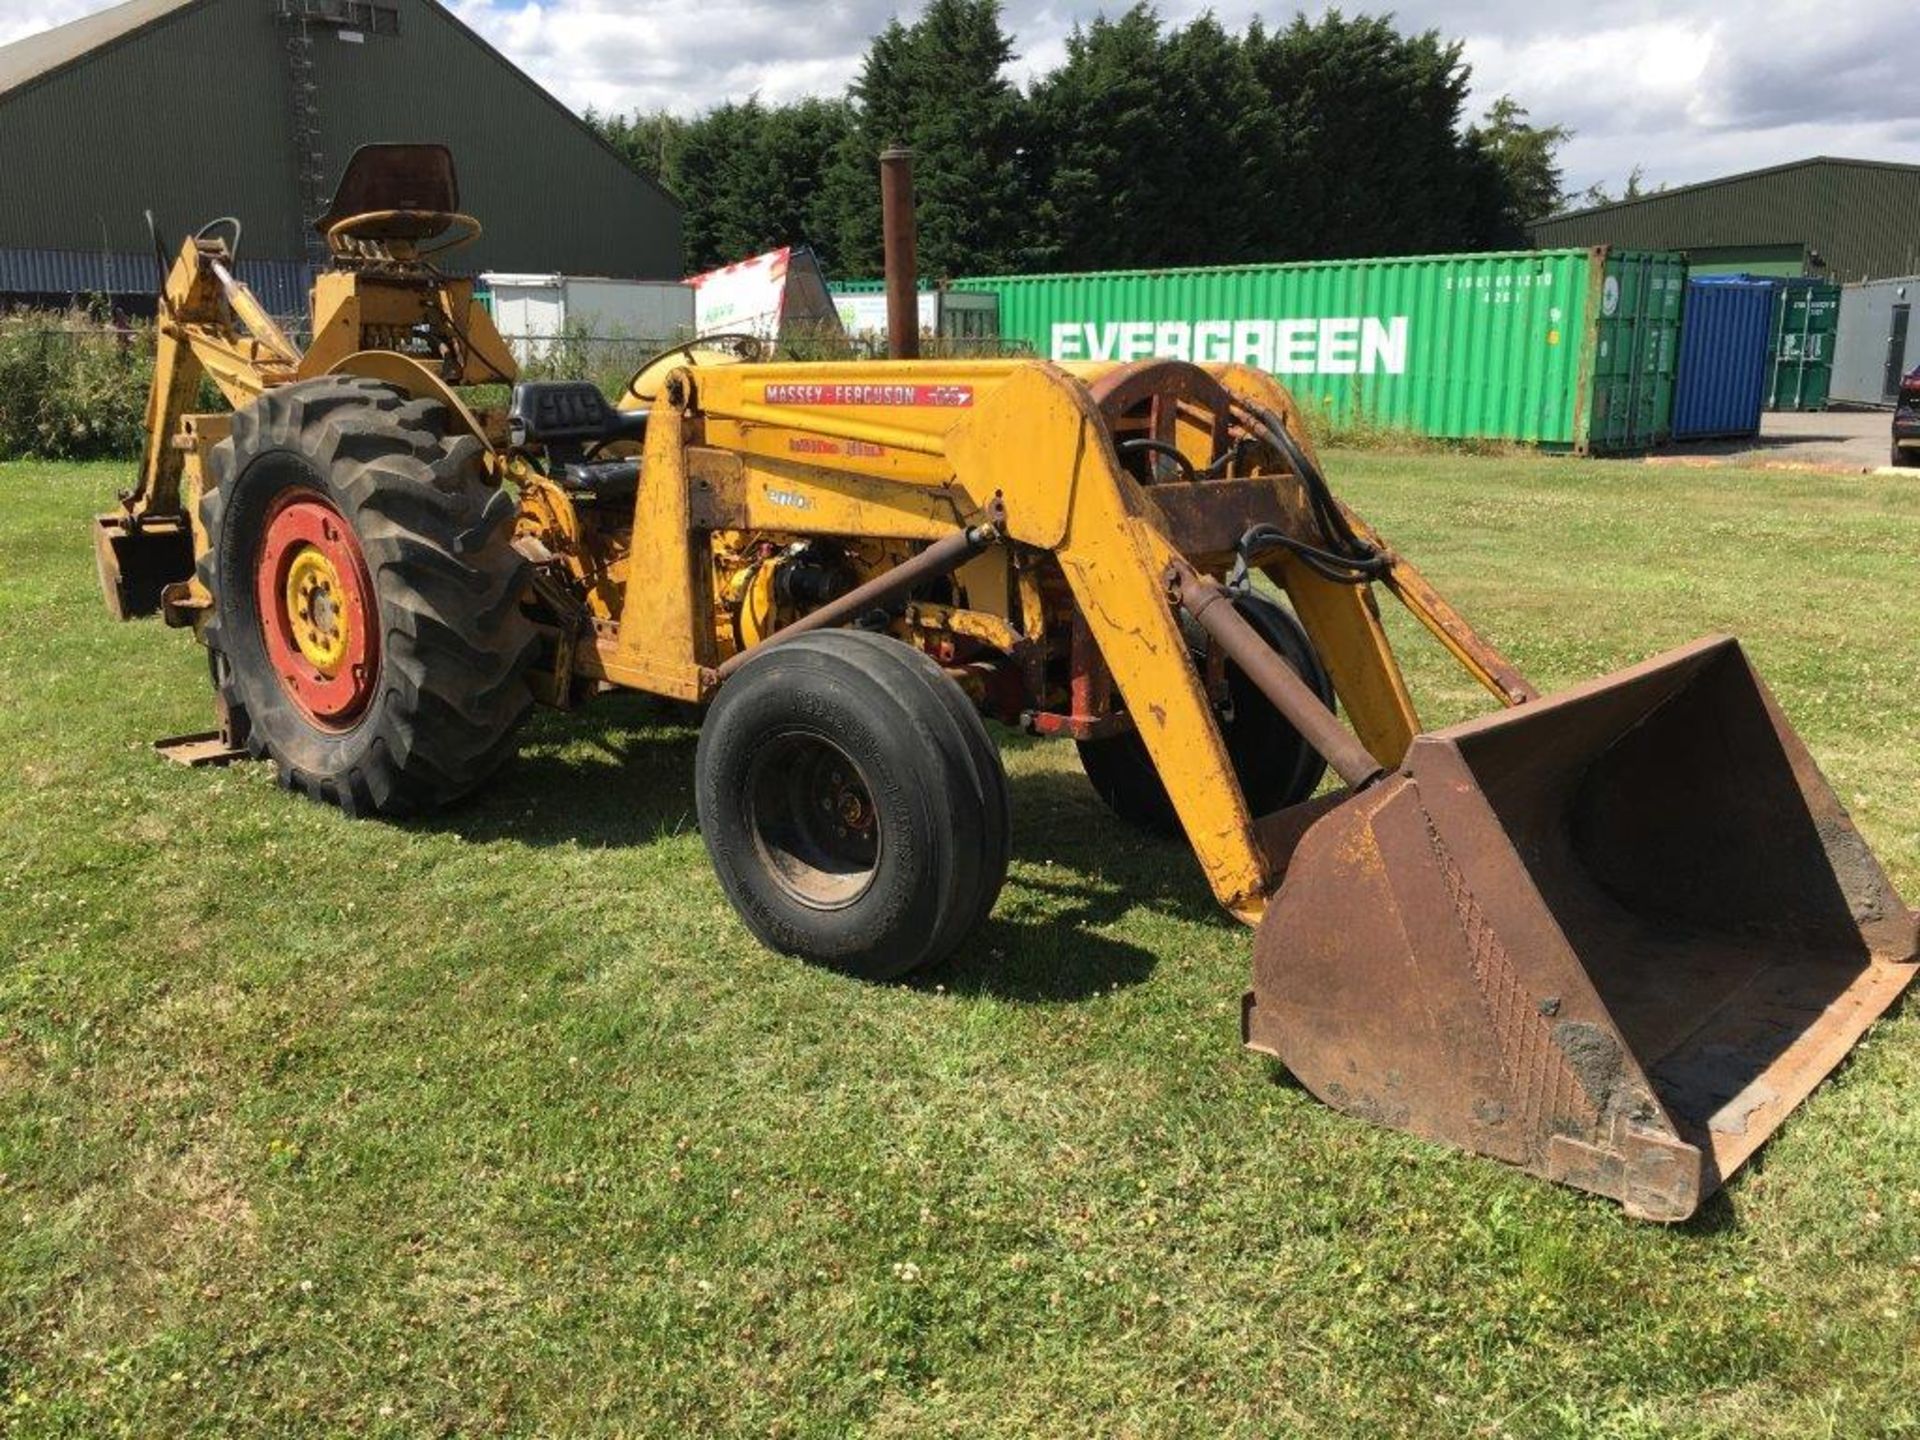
pixel 366 630
pixel 1275 766
pixel 853 804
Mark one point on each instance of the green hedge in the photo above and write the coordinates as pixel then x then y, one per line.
pixel 72 386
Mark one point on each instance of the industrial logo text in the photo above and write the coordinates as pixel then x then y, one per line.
pixel 938 396
pixel 1344 345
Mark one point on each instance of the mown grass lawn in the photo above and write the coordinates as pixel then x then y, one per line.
pixel 500 1123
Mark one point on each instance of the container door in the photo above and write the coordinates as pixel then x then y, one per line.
pixel 1783 382
pixel 1724 358
pixel 1617 354
pixel 1664 347
pixel 1823 321
pixel 1642 304
pixel 1896 353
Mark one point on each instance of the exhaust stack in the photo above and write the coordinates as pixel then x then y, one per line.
pixel 898 241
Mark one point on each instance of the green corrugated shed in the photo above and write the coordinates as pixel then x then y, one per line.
pixel 1861 217
pixel 185 107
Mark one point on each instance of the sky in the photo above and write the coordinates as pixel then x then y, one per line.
pixel 1685 89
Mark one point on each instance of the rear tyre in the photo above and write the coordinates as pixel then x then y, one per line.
pixel 852 803
pixel 366 631
pixel 1276 768
pixel 1904 458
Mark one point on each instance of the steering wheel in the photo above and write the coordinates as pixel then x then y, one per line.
pixel 450 229
pixel 750 349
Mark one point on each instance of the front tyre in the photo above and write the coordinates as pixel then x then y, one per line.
pixel 852 803
pixel 366 626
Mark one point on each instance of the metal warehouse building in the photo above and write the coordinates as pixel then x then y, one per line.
pixel 1842 219
pixel 202 108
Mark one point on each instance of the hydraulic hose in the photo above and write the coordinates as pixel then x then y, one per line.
pixel 1344 557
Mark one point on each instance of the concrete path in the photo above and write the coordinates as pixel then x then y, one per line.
pixel 1854 439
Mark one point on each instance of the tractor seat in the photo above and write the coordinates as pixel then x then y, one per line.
pixel 568 415
pixel 412 189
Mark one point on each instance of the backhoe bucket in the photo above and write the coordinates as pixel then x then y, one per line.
pixel 136 563
pixel 1613 936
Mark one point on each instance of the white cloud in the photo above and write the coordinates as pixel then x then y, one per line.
pixel 643 54
pixel 19 18
pixel 1689 89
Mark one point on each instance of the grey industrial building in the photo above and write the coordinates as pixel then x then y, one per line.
pixel 1844 220
pixel 196 109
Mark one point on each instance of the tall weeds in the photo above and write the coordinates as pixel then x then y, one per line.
pixel 72 385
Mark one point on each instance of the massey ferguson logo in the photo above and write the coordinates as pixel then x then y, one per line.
pixel 1345 345
pixel 933 396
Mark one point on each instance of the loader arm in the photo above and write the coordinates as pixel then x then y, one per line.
pixel 1122 544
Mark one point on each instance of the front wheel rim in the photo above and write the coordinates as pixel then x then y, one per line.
pixel 814 824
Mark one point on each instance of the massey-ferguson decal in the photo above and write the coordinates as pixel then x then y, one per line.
pixel 934 396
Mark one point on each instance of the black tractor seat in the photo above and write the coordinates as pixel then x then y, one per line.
pixel 563 415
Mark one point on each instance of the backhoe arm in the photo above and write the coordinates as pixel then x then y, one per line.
pixel 210 326
pixel 199 335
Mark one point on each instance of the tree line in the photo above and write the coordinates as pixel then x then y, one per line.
pixel 1149 145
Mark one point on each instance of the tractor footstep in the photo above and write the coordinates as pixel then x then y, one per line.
pixel 207 747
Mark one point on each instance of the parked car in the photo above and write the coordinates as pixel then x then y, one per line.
pixel 1906 422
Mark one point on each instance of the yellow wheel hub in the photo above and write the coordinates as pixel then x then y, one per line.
pixel 317 603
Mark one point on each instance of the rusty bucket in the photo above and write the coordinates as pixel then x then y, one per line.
pixel 1613 937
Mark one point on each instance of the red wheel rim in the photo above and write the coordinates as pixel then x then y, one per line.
pixel 317 612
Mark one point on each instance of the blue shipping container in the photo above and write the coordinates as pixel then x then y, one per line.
pixel 1726 341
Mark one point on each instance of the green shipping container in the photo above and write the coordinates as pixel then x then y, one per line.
pixel 1570 349
pixel 1806 317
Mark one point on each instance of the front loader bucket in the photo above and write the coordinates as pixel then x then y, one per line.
pixel 1613 936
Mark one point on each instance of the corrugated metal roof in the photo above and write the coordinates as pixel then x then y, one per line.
pixel 281 285
pixel 1862 217
pixel 1655 197
pixel 191 120
pixel 53 50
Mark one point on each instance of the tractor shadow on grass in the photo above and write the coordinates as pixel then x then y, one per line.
pixel 1052 961
pixel 620 773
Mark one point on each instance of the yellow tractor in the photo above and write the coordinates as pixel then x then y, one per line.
pixel 1612 935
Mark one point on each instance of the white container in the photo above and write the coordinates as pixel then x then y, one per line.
pixel 864 314
pixel 533 311
pixel 955 318
pixel 1878 340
